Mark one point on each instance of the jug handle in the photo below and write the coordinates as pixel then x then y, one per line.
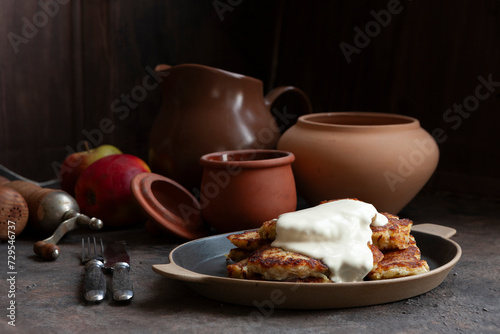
pixel 270 98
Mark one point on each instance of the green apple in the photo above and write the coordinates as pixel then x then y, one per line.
pixel 74 164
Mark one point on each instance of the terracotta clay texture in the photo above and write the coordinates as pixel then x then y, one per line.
pixel 207 110
pixel 242 189
pixel 169 206
pixel 383 159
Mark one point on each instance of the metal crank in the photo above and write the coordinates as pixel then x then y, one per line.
pixel 48 249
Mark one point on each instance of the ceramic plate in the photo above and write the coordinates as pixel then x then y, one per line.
pixel 201 264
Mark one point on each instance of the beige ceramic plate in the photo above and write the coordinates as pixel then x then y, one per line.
pixel 202 265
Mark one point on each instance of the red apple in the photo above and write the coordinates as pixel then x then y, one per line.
pixel 103 190
pixel 74 164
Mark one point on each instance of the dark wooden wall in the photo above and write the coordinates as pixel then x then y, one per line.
pixel 62 69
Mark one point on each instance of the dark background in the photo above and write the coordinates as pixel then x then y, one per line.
pixel 64 75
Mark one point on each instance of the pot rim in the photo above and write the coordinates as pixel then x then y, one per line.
pixel 381 120
pixel 271 158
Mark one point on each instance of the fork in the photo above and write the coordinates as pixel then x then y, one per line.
pixel 94 281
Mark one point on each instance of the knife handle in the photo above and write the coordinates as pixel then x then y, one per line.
pixel 94 281
pixel 121 285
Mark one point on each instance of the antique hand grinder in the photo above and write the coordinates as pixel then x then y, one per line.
pixel 51 210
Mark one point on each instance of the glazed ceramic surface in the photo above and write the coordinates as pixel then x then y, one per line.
pixel 206 110
pixel 242 189
pixel 383 159
pixel 202 265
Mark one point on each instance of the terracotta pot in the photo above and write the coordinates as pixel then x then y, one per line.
pixel 242 189
pixel 383 159
pixel 206 110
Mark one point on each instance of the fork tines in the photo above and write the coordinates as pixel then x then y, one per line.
pixel 92 252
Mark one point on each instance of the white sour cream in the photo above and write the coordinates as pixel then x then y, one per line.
pixel 336 233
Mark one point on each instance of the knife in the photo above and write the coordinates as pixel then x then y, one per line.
pixel 116 261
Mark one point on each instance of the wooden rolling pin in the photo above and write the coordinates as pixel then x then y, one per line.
pixel 51 211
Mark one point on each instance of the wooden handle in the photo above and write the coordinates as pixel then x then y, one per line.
pixel 3 180
pixel 47 251
pixel 33 194
pixel 25 188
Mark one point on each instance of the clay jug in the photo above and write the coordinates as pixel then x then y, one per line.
pixel 382 159
pixel 207 110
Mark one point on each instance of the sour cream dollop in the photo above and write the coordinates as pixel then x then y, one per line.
pixel 336 233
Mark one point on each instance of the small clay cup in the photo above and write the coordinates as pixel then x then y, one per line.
pixel 242 189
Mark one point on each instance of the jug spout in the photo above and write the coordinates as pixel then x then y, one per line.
pixel 163 70
pixel 162 67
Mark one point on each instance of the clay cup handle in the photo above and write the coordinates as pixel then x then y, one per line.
pixel 286 118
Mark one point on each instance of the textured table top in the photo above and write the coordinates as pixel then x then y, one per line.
pixel 48 295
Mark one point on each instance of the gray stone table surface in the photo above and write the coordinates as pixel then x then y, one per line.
pixel 48 295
